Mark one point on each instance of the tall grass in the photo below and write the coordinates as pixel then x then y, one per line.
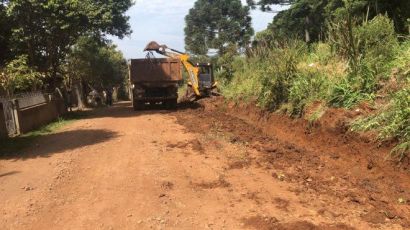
pixel 307 87
pixel 245 84
pixel 289 74
pixel 392 121
pixel 369 50
pixel 355 64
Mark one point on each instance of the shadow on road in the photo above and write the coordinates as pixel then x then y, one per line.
pixel 50 144
pixel 26 147
pixel 124 109
pixel 9 173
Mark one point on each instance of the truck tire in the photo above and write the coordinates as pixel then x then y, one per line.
pixel 138 105
pixel 171 104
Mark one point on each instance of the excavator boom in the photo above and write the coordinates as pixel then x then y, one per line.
pixel 193 71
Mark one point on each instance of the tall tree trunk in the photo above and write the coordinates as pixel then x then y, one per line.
pixel 307 27
pixel 79 94
pixel 377 7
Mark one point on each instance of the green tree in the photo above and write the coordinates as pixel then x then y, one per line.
pixel 216 24
pixel 304 19
pixel 45 30
pixel 5 33
pixel 96 63
pixel 18 77
pixel 397 10
pixel 307 19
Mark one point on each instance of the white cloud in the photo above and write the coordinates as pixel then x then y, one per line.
pixel 164 7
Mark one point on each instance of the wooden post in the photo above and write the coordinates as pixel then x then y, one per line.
pixel 16 112
pixel 3 128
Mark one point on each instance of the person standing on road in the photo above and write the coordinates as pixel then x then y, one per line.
pixel 68 100
pixel 109 97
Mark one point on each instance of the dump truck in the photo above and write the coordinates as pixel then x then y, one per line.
pixel 155 80
pixel 201 82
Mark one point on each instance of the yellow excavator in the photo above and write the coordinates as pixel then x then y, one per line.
pixel 200 75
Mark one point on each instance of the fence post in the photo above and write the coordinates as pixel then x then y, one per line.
pixel 3 127
pixel 16 112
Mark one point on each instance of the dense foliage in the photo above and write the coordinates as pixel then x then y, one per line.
pixel 5 33
pixel 307 19
pixel 18 77
pixel 355 63
pixel 216 24
pixel 335 53
pixel 97 63
pixel 45 31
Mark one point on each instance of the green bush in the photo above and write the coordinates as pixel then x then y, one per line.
pixel 370 49
pixel 401 62
pixel 321 52
pixel 226 64
pixel 278 73
pixel 392 122
pixel 308 86
pixel 265 75
pixel 345 95
pixel 273 77
pixel 245 84
pixel 377 43
pixel 354 65
pixel 18 77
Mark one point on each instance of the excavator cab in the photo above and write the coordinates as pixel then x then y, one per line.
pixel 205 76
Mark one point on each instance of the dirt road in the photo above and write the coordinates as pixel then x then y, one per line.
pixel 193 169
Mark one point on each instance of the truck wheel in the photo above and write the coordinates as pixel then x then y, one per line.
pixel 138 105
pixel 171 104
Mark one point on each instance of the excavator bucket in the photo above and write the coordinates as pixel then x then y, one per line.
pixel 154 46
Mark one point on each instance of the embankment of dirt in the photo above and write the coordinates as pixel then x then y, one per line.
pixel 329 133
pixel 325 158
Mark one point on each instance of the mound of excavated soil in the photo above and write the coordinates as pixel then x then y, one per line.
pixel 323 160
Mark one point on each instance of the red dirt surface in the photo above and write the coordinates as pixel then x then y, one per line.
pixel 325 162
pixel 205 166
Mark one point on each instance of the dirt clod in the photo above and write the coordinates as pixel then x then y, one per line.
pixel 220 183
pixel 166 185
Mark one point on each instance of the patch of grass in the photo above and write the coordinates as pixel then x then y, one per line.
pixel 345 95
pixel 16 144
pixel 392 122
pixel 342 71
pixel 317 114
pixel 309 85
pixel 245 85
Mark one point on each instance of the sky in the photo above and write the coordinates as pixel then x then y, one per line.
pixel 163 21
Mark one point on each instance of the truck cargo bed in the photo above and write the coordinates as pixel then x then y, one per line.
pixel 155 81
pixel 155 70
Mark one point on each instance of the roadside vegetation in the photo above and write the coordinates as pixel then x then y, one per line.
pixel 336 53
pixel 61 48
pixel 62 44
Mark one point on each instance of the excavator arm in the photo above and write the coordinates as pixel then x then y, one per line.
pixel 193 72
